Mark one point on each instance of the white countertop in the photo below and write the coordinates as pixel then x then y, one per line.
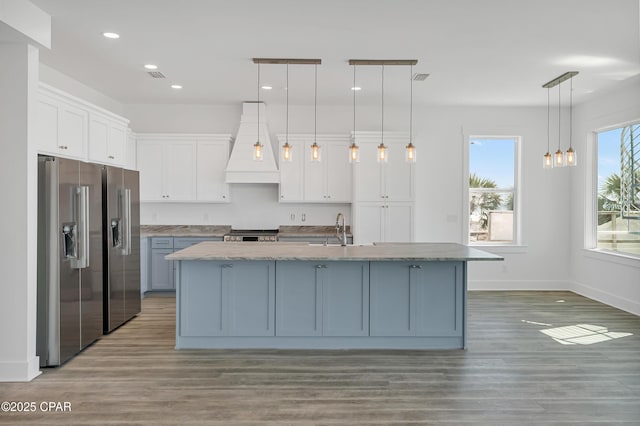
pixel 295 251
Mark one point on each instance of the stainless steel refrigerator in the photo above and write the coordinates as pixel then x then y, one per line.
pixel 69 308
pixel 121 239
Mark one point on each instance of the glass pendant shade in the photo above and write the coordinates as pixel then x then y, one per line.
pixel 286 152
pixel 382 153
pixel 571 159
pixel 315 152
pixel 558 159
pixel 354 154
pixel 410 153
pixel 257 151
pixel 547 161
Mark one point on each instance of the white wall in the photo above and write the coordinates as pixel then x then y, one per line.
pixel 610 279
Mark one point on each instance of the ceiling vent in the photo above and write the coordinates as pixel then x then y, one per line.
pixel 420 77
pixel 156 74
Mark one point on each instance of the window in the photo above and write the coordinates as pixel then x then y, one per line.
pixel 618 190
pixel 493 184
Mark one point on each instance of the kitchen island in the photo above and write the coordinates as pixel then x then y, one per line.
pixel 301 296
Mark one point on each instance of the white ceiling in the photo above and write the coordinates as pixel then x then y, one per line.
pixel 477 52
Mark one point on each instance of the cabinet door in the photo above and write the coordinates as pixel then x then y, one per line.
pixel 398 175
pixel 315 175
pixel 144 265
pixel 291 174
pixel 251 306
pixel 368 176
pixel 369 223
pixel 162 272
pixel 117 144
pixel 391 306
pixel 338 173
pixel 202 298
pixel 398 222
pixel 150 159
pixel 346 299
pixel 180 171
pixel 438 293
pixel 210 165
pixel 98 139
pixel 73 130
pixel 299 298
pixel 47 128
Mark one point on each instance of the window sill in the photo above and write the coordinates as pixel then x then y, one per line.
pixel 501 248
pixel 613 257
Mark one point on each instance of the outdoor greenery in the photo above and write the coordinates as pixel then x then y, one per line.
pixel 484 202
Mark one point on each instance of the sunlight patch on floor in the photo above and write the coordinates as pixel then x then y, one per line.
pixel 582 334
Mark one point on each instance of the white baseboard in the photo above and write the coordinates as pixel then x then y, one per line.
pixel 607 298
pixel 20 371
pixel 515 285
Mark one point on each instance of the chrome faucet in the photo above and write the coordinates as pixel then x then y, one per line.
pixel 342 236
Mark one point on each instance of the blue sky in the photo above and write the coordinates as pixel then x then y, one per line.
pixel 493 159
pixel 608 154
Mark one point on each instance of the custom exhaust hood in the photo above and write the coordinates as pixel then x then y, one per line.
pixel 241 167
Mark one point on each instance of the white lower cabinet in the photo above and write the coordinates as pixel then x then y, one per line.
pixel 383 222
pixel 322 298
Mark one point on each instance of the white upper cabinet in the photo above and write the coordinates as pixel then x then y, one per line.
pixel 183 167
pixel 390 181
pixel 107 140
pixel 72 128
pixel 324 181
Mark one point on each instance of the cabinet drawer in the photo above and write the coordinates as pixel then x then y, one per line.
pixel 180 243
pixel 162 242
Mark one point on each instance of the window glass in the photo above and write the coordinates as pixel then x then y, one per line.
pixel 618 190
pixel 492 190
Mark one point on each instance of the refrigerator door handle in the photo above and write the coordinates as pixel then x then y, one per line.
pixel 69 240
pixel 126 241
pixel 82 217
pixel 116 232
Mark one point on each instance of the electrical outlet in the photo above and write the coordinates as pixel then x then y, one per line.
pixel 292 216
pixel 303 217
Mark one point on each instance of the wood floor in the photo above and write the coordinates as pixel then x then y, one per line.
pixel 512 374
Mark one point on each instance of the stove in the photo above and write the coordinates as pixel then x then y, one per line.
pixel 252 235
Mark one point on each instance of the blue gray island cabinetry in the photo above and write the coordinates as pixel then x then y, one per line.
pixel 300 296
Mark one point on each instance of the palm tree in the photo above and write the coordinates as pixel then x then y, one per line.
pixel 609 197
pixel 483 201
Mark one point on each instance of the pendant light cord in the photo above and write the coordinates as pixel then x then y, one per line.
pixel 258 104
pixel 559 111
pixel 315 104
pixel 354 103
pixel 571 113
pixel 548 119
pixel 382 123
pixel 411 104
pixel 287 120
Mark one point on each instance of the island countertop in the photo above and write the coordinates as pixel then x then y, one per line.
pixel 295 251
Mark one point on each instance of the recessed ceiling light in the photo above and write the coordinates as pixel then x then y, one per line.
pixel 151 67
pixel 267 87
pixel 111 35
pixel 176 86
pixel 356 88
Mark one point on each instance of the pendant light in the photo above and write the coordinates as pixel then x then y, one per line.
pixel 410 156
pixel 286 148
pixel 547 162
pixel 558 157
pixel 571 160
pixel 257 147
pixel 315 148
pixel 354 155
pixel 382 149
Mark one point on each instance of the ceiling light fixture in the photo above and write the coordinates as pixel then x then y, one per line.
pixel 315 148
pixel 560 159
pixel 267 87
pixel 383 156
pixel 354 154
pixel 176 86
pixel 111 35
pixel 257 147
pixel 151 67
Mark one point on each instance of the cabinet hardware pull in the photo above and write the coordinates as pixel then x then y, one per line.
pixel 226 265
pixel 111 157
pixel 416 266
pixel 321 266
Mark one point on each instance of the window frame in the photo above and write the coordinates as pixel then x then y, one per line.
pixel 590 240
pixel 517 191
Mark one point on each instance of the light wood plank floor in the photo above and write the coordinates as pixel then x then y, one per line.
pixel 512 374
